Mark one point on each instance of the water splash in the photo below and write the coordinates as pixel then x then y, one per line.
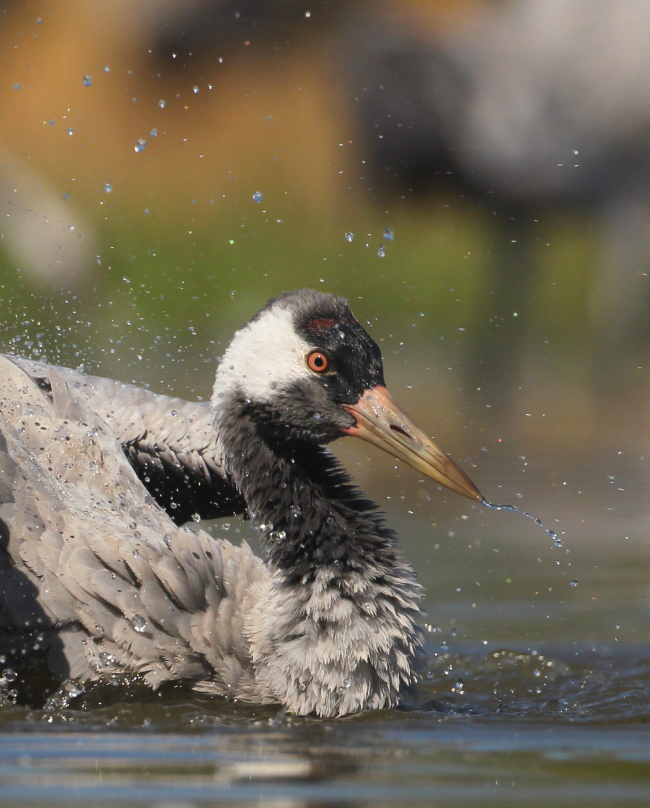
pixel 557 541
pixel 69 690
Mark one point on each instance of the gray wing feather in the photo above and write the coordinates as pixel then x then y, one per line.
pixel 171 443
pixel 88 558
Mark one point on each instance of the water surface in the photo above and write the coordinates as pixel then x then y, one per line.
pixel 536 690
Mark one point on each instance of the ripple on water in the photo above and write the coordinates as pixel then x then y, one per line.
pixel 531 684
pixel 573 719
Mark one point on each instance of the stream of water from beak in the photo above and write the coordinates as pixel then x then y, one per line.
pixel 557 541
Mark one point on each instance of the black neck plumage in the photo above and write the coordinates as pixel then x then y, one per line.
pixel 307 510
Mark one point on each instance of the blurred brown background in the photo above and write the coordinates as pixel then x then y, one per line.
pixel 495 152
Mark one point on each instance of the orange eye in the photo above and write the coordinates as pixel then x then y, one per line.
pixel 318 361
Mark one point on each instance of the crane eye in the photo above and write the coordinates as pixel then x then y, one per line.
pixel 318 361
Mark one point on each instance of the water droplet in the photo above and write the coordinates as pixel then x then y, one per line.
pixel 277 535
pixel 140 146
pixel 381 251
pixel 139 623
pixel 389 235
pixel 107 69
pixel 258 196
pixel 196 517
pixel 70 131
pixel 73 688
pixel 153 133
pixel 88 81
pixel 106 659
pixel 108 188
pixel 162 103
pixel 195 89
pixel 349 237
pixel 574 582
pixel 99 630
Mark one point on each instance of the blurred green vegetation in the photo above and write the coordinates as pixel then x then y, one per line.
pixel 212 276
pixel 184 255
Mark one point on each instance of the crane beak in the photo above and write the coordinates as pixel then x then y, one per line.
pixel 380 421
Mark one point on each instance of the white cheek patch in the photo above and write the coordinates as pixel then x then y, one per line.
pixel 263 358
